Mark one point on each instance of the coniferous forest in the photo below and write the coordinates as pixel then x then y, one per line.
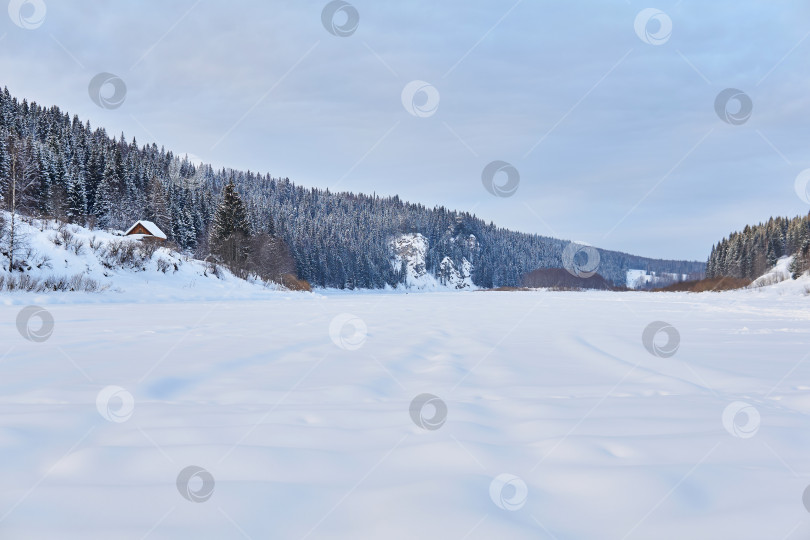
pixel 748 254
pixel 68 170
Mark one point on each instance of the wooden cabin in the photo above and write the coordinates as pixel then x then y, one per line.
pixel 146 229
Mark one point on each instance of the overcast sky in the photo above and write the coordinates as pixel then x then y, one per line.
pixel 608 116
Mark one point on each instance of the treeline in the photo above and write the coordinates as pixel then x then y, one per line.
pixel 560 278
pixel 68 170
pixel 750 253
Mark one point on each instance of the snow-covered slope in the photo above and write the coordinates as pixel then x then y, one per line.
pixel 779 273
pixel 779 281
pixel 63 257
pixel 639 279
pixel 456 278
pixel 412 250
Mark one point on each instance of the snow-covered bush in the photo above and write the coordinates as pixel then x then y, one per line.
pixel 29 283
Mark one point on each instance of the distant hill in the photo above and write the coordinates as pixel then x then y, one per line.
pixel 72 172
pixel 757 248
pixel 560 278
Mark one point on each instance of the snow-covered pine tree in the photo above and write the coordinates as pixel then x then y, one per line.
pixel 110 191
pixel 188 235
pixel 230 230
pixel 76 195
pixel 157 206
pixel 76 201
pixel 42 187
pixel 95 174
pixel 231 215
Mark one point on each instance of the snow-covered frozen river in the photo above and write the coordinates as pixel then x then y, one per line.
pixel 446 415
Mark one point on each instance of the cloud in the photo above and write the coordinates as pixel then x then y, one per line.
pixel 264 86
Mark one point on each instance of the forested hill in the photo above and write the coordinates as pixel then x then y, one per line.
pixel 70 171
pixel 748 254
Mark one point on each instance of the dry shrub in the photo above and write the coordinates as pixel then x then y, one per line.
pixel 295 284
pixel 65 238
pixel 212 268
pixel 27 283
pixel 149 246
pixel 163 265
pixel 508 289
pixel 122 254
pixel 707 285
pixel 94 244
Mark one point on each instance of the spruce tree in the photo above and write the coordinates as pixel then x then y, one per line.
pixel 230 217
pixel 157 207
pixel 76 201
pixel 43 186
pixel 76 194
pixel 108 195
pixel 230 232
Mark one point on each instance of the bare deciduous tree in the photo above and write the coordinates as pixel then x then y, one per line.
pixel 270 257
pixel 22 180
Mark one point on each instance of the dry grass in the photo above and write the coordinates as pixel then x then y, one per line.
pixel 295 284
pixel 25 282
pixel 508 289
pixel 707 285
pixel 703 285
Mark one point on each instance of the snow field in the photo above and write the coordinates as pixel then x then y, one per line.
pixel 546 416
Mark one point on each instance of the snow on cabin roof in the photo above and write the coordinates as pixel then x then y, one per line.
pixel 153 229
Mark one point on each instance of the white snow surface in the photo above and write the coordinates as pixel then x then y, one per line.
pixel 636 278
pixel 298 407
pixel 779 273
